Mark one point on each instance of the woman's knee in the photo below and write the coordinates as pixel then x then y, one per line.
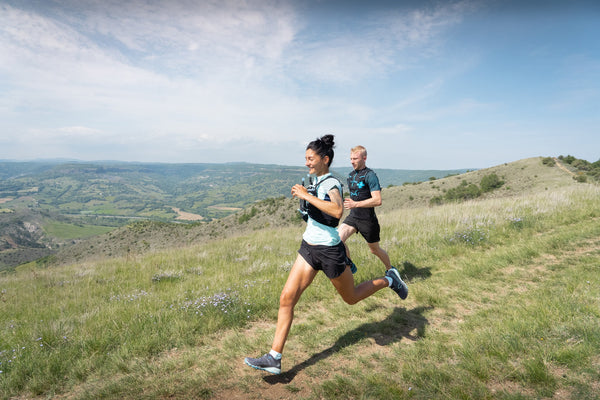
pixel 288 298
pixel 351 301
pixel 349 298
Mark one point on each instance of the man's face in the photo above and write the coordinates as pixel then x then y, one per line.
pixel 358 160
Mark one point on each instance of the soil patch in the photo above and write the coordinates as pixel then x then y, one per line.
pixel 185 216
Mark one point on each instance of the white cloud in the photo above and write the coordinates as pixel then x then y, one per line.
pixel 147 78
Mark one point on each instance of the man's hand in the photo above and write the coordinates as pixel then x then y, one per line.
pixel 374 201
pixel 350 204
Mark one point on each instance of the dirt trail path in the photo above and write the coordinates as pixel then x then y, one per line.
pixel 560 165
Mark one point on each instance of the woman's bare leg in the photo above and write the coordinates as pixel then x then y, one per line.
pixel 300 277
pixel 351 294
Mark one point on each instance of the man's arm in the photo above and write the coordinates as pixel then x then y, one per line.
pixel 374 201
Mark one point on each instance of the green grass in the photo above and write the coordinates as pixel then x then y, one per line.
pixel 503 304
pixel 66 231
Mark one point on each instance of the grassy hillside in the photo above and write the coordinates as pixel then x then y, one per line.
pixel 520 177
pixel 503 304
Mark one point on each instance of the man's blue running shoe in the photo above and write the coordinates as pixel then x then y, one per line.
pixel 352 265
pixel 398 284
pixel 265 363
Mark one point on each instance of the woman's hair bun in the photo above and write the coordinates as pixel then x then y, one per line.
pixel 328 140
pixel 323 147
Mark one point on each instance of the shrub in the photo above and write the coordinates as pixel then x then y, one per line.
pixel 464 191
pixel 490 182
pixel 567 159
pixel 582 165
pixel 436 201
pixel 549 161
pixel 246 216
pixel 580 177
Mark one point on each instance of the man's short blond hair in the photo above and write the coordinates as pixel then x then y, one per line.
pixel 360 149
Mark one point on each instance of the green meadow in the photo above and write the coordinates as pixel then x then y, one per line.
pixel 504 303
pixel 65 230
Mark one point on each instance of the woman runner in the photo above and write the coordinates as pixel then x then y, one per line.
pixel 321 250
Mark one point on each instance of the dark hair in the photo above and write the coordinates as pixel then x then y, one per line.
pixel 323 147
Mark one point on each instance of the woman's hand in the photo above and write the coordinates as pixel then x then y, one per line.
pixel 334 207
pixel 300 192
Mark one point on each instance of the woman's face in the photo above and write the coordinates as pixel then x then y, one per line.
pixel 316 164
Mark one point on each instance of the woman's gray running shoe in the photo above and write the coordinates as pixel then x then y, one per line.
pixel 266 363
pixel 398 284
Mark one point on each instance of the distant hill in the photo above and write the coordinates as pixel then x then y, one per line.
pixel 46 205
pixel 520 177
pixel 128 190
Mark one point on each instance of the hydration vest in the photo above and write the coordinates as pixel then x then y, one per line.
pixel 308 210
pixel 360 190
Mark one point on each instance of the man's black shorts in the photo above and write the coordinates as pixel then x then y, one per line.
pixel 368 228
pixel 329 259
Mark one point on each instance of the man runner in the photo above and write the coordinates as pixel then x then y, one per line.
pixel 365 195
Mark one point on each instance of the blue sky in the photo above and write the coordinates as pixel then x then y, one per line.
pixel 421 84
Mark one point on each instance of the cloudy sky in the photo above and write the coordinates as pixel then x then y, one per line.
pixel 421 84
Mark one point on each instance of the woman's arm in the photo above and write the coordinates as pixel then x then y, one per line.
pixel 335 207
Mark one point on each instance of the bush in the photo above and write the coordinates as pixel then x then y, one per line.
pixel 436 201
pixel 567 159
pixel 490 182
pixel 464 191
pixel 549 161
pixel 580 177
pixel 247 216
pixel 582 165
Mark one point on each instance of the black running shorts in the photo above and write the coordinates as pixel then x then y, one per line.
pixel 368 228
pixel 329 259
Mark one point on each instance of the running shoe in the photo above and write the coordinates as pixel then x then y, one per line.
pixel 398 284
pixel 265 363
